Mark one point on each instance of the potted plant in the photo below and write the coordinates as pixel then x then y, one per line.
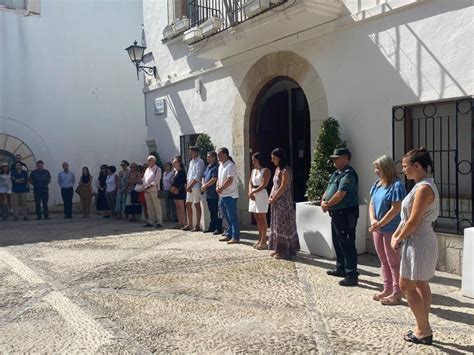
pixel 211 25
pixel 182 24
pixel 205 145
pixel 192 35
pixel 254 7
pixel 313 225
pixel 169 32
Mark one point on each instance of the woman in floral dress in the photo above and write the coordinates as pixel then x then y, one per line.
pixel 283 236
pixel 122 189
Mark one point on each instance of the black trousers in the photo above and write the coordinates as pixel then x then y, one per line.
pixel 41 196
pixel 67 194
pixel 216 222
pixel 343 227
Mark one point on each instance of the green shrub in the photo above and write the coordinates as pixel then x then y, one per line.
pixel 329 138
pixel 205 145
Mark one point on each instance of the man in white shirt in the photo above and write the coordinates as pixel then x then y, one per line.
pixel 151 185
pixel 228 190
pixel 193 188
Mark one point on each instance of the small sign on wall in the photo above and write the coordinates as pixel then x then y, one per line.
pixel 160 106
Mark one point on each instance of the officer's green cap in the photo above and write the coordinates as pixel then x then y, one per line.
pixel 340 152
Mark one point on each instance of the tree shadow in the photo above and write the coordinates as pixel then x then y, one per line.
pixel 442 300
pixel 370 284
pixel 446 281
pixel 453 316
pixel 458 349
pixel 59 229
pixel 309 259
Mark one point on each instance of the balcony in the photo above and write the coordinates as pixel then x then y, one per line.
pixel 222 28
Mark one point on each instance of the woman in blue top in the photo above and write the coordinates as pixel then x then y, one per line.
pixel 387 195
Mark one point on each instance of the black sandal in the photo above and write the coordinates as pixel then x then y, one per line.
pixel 411 338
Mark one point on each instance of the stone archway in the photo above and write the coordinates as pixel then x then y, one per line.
pixel 264 70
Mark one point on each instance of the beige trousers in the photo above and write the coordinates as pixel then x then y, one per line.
pixel 85 194
pixel 19 204
pixel 153 205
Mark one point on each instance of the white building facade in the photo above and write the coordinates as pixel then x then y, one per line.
pixel 269 76
pixel 68 91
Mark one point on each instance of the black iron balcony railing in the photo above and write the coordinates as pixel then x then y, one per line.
pixel 232 12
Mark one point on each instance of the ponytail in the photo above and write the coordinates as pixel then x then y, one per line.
pixel 422 157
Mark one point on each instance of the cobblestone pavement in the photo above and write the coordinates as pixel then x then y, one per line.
pixel 88 286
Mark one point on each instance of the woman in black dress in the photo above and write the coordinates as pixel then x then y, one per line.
pixel 101 202
pixel 178 191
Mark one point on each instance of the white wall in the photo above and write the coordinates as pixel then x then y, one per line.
pixel 420 53
pixel 68 88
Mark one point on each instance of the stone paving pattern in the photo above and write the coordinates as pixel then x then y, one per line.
pixel 95 286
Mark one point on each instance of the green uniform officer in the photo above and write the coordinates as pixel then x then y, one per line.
pixel 341 201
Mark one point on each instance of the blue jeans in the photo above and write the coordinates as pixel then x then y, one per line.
pixel 229 212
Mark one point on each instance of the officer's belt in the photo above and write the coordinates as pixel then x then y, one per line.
pixel 344 211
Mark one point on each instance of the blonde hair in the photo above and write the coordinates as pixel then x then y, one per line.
pixel 388 170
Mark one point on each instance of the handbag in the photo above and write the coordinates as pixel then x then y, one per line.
pixel 161 194
pixel 138 188
pixel 174 190
pixel 78 190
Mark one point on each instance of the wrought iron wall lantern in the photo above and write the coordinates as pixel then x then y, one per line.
pixel 135 53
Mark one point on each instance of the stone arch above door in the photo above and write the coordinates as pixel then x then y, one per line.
pixel 12 146
pixel 268 67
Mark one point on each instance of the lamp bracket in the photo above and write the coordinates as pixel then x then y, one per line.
pixel 150 71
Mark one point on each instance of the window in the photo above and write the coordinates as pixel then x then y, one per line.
pixel 30 6
pixel 446 130
pixel 186 142
pixel 176 10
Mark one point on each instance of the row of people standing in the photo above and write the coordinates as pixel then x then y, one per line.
pixel 14 186
pixel 402 229
pixel 218 184
pixel 113 189
pixel 131 191
pixel 402 226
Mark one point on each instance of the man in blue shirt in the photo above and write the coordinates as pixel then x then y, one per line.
pixel 212 198
pixel 19 190
pixel 66 181
pixel 40 179
pixel 341 201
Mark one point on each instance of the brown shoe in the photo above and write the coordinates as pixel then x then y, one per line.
pixel 197 229
pixel 186 228
pixel 233 241
pixel 391 300
pixel 379 295
pixel 225 239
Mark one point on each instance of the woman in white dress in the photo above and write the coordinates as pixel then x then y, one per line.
pixel 258 198
pixel 419 255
